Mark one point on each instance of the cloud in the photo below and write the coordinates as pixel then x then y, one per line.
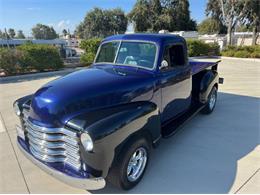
pixel 33 8
pixel 63 24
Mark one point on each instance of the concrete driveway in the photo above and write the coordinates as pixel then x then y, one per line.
pixel 219 153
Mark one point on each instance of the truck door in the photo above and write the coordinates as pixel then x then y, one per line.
pixel 175 81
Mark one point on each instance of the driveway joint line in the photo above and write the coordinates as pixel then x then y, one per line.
pixel 247 181
pixel 1 118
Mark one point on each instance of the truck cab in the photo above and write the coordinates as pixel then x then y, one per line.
pixel 99 124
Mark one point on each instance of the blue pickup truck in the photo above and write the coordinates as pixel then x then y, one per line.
pixel 99 124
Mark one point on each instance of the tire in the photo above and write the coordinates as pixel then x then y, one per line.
pixel 118 174
pixel 211 103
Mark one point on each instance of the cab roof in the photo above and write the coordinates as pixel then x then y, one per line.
pixel 158 38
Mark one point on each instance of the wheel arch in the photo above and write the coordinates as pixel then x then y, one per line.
pixel 208 81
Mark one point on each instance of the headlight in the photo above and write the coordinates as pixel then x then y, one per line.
pixel 17 109
pixel 86 141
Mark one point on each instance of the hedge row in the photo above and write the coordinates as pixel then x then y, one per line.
pixel 28 58
pixel 242 51
pixel 90 46
pixel 199 48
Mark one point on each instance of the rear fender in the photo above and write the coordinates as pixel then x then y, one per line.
pixel 209 79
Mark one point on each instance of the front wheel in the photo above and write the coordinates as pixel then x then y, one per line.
pixel 130 165
pixel 211 103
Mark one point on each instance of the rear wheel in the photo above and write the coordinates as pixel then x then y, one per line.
pixel 211 103
pixel 129 167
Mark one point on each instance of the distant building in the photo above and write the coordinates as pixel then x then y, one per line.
pixel 185 34
pixel 72 42
pixel 238 38
pixel 221 40
pixel 16 42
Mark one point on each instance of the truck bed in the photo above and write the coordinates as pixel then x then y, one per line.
pixel 199 64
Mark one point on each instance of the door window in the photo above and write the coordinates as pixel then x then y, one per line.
pixel 174 55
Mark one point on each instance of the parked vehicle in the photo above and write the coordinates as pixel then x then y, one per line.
pixel 100 124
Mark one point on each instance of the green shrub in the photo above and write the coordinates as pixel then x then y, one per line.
pixel 242 51
pixel 40 57
pixel 199 48
pixel 87 58
pixel 9 61
pixel 255 54
pixel 242 54
pixel 90 46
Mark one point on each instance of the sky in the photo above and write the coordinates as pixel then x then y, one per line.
pixel 24 14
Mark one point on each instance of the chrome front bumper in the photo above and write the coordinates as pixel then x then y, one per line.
pixel 82 183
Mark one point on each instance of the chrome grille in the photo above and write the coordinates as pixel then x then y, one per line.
pixel 53 144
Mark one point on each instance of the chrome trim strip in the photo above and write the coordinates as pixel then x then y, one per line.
pixel 52 145
pixel 47 137
pixel 51 130
pixel 117 52
pixel 51 152
pixel 86 184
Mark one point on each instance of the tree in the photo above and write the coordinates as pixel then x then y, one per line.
pixel 64 32
pixel 211 26
pixel 11 33
pixel 252 18
pixel 156 12
pixel 101 23
pixel 229 12
pixel 140 15
pixel 41 31
pixel 181 15
pixel 155 15
pixel 5 35
pixel 1 35
pixel 117 20
pixel 20 34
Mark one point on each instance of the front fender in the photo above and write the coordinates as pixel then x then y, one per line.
pixel 21 101
pixel 111 129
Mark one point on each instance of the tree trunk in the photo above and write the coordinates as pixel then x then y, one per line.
pixel 255 33
pixel 229 34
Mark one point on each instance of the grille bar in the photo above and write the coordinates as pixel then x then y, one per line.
pixel 53 144
pixel 51 130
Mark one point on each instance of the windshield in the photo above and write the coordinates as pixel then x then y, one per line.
pixel 141 54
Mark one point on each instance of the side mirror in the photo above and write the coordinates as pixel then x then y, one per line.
pixel 164 64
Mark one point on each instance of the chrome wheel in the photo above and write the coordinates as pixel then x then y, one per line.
pixel 136 164
pixel 212 100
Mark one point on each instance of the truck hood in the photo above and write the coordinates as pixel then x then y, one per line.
pixel 94 88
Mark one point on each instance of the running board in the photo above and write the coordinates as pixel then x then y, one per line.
pixel 175 125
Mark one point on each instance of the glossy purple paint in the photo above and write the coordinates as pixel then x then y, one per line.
pixel 106 85
pixel 199 66
pixel 101 85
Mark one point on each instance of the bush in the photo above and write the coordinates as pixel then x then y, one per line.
pixel 199 48
pixel 9 61
pixel 40 57
pixel 87 58
pixel 90 46
pixel 242 51
pixel 28 57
